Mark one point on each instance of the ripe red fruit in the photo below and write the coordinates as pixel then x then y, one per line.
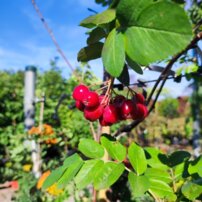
pixel 92 114
pixel 118 100
pixel 110 114
pixel 91 99
pixel 79 105
pixel 101 99
pixel 79 91
pixel 103 122
pixel 142 111
pixel 139 98
pixel 128 109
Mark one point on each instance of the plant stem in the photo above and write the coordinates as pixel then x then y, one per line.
pixel 173 179
pixel 94 195
pixel 155 197
pixel 93 132
pixel 163 77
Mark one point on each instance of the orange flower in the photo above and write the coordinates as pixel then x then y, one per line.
pixel 14 185
pixel 47 129
pixel 51 141
pixel 42 179
pixel 34 131
pixel 53 190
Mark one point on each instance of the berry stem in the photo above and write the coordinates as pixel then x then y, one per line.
pixel 109 89
pixel 101 88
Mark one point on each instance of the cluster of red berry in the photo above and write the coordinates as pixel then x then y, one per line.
pixel 107 109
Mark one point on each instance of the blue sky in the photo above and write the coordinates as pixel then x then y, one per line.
pixel 24 41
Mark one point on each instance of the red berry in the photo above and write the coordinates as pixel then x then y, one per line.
pixel 92 114
pixel 103 122
pixel 110 114
pixel 79 91
pixel 91 99
pixel 101 99
pixel 118 100
pixel 79 105
pixel 139 98
pixel 142 111
pixel 128 109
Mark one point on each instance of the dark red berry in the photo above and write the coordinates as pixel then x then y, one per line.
pixel 118 100
pixel 103 122
pixel 79 105
pixel 79 91
pixel 91 99
pixel 139 98
pixel 110 114
pixel 142 111
pixel 92 114
pixel 128 109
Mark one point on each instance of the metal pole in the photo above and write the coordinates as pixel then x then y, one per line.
pixel 29 115
pixel 29 96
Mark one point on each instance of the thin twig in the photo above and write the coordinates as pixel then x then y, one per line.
pixel 94 195
pixel 163 77
pixel 51 35
pixel 93 132
pixel 169 66
pixel 173 179
pixel 154 196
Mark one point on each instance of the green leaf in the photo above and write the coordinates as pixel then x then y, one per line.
pixel 146 46
pixel 134 8
pixel 95 35
pixel 71 160
pixel 124 78
pixel 87 173
pixel 139 184
pixel 108 175
pixel 179 1
pixel 115 149
pixel 179 71
pixel 53 177
pixel 91 148
pixel 133 65
pixel 69 174
pixel 91 52
pixel 149 39
pixel 155 157
pixel 177 158
pixel 191 68
pixel 178 171
pixel 158 174
pixel 196 166
pixel 191 190
pixel 99 19
pixel 161 190
pixel 137 158
pixel 113 53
